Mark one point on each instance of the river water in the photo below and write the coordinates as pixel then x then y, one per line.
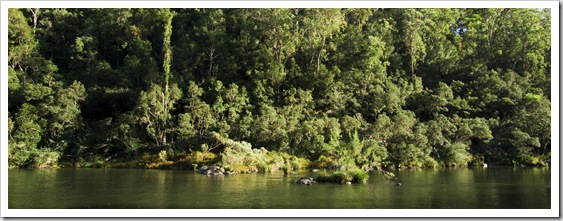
pixel 462 188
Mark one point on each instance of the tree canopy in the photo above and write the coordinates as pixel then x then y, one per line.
pixel 367 88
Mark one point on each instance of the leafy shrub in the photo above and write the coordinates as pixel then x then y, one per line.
pixel 45 158
pixel 358 176
pixel 334 177
pixel 340 177
pixel 298 162
pixel 429 162
pixel 240 157
pixel 163 156
pixel 18 155
pixel 201 157
pixel 323 162
pixel 478 160
pixel 286 162
pixel 276 161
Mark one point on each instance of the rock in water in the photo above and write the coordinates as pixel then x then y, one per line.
pixel 305 181
pixel 202 170
pixel 211 170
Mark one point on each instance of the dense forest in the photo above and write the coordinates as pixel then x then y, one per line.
pixel 268 89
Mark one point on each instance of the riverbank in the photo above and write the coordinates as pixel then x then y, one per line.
pixel 250 161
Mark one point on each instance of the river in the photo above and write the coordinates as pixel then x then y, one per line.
pixel 461 188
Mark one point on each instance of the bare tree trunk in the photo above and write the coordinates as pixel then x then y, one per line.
pixel 211 59
pixel 413 59
pixel 167 58
pixel 319 55
pixel 35 13
pixel 163 136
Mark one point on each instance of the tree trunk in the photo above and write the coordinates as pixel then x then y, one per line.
pixel 35 13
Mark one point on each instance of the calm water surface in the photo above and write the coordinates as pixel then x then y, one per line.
pixel 496 187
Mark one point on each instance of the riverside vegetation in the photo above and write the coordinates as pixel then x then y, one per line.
pixel 279 89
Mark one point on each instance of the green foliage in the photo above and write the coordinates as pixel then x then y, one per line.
pixel 358 176
pixel 45 159
pixel 163 156
pixel 456 154
pixel 241 157
pixel 154 112
pixel 335 177
pixel 343 88
pixel 20 39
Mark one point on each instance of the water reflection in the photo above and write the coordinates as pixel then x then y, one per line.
pixel 129 188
